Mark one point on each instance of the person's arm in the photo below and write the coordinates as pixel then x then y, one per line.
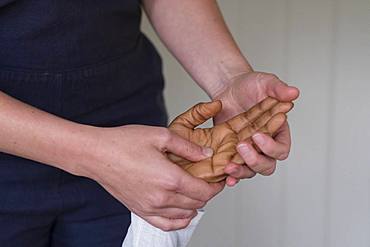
pixel 127 161
pixel 34 134
pixel 195 32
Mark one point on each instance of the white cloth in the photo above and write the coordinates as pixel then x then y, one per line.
pixel 143 234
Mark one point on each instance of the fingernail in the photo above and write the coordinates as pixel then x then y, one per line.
pixel 244 149
pixel 258 138
pixel 233 182
pixel 208 152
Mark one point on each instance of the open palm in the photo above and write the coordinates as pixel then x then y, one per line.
pixel 267 116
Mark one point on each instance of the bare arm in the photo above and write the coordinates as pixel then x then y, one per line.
pixel 114 158
pixel 195 32
pixel 34 134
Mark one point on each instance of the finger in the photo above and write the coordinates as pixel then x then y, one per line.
pixel 274 124
pixel 239 171
pixel 282 135
pixel 197 115
pixel 278 148
pixel 198 189
pixel 237 159
pixel 166 224
pixel 257 162
pixel 231 181
pixel 273 119
pixel 193 187
pixel 247 118
pixel 183 202
pixel 173 213
pixel 277 89
pixel 267 124
pixel 186 149
pixel 203 170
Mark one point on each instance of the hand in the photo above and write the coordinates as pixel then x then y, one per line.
pixel 267 117
pixel 242 93
pixel 131 164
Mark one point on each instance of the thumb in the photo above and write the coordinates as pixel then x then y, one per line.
pixel 198 114
pixel 279 90
pixel 186 149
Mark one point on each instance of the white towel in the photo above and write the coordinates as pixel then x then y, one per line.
pixel 143 234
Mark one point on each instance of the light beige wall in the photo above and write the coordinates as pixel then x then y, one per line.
pixel 321 196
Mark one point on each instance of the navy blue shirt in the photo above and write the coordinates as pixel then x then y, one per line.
pixel 58 35
pixel 84 60
pixel 88 62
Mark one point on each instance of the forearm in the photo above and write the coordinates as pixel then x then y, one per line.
pixel 195 32
pixel 33 134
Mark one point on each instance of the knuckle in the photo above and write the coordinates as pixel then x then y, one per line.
pixel 211 194
pixel 154 202
pixel 171 184
pixel 270 148
pixel 207 196
pixel 269 171
pixel 283 156
pixel 166 227
pixel 146 209
pixel 184 224
pixel 252 161
pixel 238 172
pixel 270 77
pixel 180 214
pixel 164 136
pixel 266 77
pixel 248 174
pixel 200 204
pixel 160 200
pixel 151 206
pixel 188 214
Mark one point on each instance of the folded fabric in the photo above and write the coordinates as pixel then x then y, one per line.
pixel 143 234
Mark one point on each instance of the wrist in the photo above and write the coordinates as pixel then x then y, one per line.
pixel 99 153
pixel 33 134
pixel 227 73
pixel 81 153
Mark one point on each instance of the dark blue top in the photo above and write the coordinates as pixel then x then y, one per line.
pixel 59 35
pixel 84 60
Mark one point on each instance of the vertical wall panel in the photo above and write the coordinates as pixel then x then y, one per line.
pixel 219 223
pixel 310 41
pixel 320 196
pixel 262 36
pixel 350 167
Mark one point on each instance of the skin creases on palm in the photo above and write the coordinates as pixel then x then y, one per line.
pixel 267 117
